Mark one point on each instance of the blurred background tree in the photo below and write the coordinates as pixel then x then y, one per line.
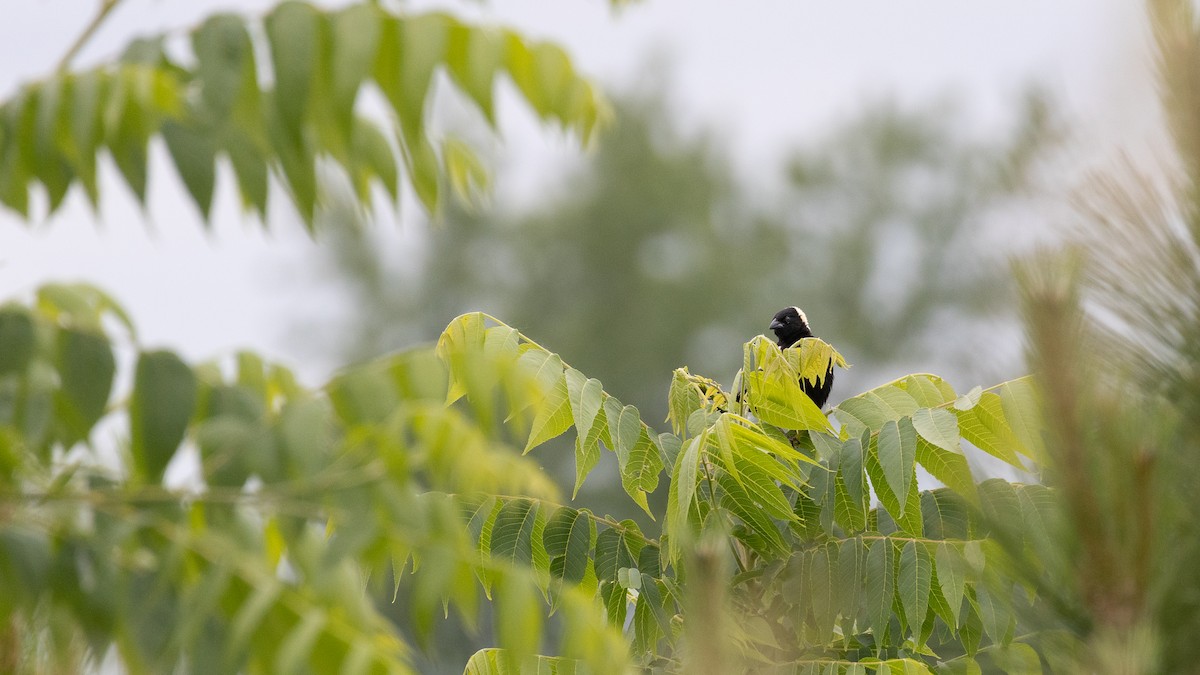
pixel 656 252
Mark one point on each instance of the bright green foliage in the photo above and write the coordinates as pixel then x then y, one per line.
pixel 368 475
pixel 411 468
pixel 321 63
pixel 825 580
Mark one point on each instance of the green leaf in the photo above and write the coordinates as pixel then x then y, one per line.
pixel 80 135
pixel 16 340
pixel 1017 658
pixel 49 165
pixel 614 550
pixel 639 474
pixel 913 583
pixel 194 154
pixel 763 476
pixel 250 168
pixel 880 587
pixel 586 397
pixel 424 171
pixel 293 29
pixel 355 36
pixel 985 426
pixel 164 395
pixel 684 482
pixel 423 41
pixel 474 56
pixel 223 54
pixel 512 534
pixel 951 468
pixel 232 448
pixel 374 159
pixel 499 662
pixel 130 119
pixel 951 576
pixel 625 428
pixel 897 455
pixel 554 415
pixel 80 306
pixel 760 533
pixel 85 367
pixel 969 400
pixel 468 177
pixel 363 395
pixel 1002 509
pixel 1021 408
pixel 775 395
pixel 907 667
pixel 568 535
pixel 822 586
pixel 995 614
pixel 851 579
pixel 927 390
pixel 683 398
pixel 870 410
pixel 850 496
pixel 305 436
pixel 938 426
pixel 946 514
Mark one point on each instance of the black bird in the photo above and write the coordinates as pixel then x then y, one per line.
pixel 789 325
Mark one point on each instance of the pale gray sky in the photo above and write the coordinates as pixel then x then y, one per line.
pixel 765 73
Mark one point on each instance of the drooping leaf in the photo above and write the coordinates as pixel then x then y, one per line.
pixel 86 367
pixel 293 29
pixel 223 53
pixel 951 576
pixel 880 588
pixel 850 497
pixel 164 395
pixel 897 456
pixel 354 37
pixel 913 582
pixel 851 579
pixel 194 153
pixel 474 56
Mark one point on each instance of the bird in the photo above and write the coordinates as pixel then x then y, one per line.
pixel 790 325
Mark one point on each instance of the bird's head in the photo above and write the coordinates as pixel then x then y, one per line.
pixel 789 325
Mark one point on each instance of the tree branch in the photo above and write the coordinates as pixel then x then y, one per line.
pixel 106 8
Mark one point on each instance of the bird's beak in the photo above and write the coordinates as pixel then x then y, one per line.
pixel 776 324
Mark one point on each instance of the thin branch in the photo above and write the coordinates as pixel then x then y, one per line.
pixel 106 8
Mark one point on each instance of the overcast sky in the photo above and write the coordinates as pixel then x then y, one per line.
pixel 764 73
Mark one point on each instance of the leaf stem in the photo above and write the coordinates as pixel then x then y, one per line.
pixel 106 8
